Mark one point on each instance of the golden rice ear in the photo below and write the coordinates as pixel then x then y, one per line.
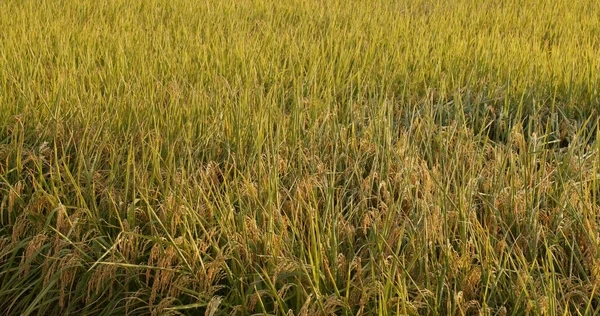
pixel 103 276
pixel 34 245
pixel 21 227
pixel 213 305
pixel 304 310
pixel 161 308
pixel 67 268
pixel 14 193
pixel 155 254
pixel 63 223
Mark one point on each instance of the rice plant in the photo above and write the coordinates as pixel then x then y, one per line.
pixel 299 157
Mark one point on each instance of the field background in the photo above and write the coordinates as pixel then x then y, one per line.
pixel 299 157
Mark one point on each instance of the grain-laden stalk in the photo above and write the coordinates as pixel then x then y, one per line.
pixel 301 157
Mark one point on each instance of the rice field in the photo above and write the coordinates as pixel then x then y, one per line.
pixel 299 157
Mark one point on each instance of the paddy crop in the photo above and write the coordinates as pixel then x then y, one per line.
pixel 299 157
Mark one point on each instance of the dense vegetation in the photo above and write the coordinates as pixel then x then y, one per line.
pixel 299 157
